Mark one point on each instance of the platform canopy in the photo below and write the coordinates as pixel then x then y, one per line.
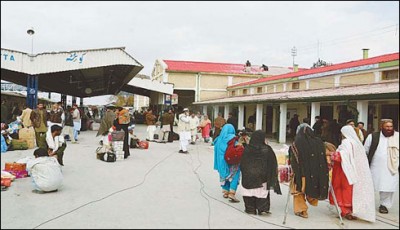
pixel 80 73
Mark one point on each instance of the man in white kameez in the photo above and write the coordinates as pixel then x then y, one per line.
pixel 194 122
pixel 383 156
pixel 184 130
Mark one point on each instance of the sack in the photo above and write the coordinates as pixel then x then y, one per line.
pixel 100 151
pixel 26 133
pixel 144 144
pixel 175 136
pixel 155 136
pixel 19 144
pixel 117 135
pixel 234 152
pixel 108 157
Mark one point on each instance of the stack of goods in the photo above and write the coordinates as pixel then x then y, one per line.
pixel 118 148
pixel 16 169
pixel 28 134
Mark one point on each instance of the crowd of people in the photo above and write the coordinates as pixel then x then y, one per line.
pixel 357 170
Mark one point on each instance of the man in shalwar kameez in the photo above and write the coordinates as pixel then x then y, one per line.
pixel 383 156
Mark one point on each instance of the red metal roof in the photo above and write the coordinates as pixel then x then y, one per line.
pixel 191 66
pixel 368 61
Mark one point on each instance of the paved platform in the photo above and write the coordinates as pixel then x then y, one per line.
pixel 154 188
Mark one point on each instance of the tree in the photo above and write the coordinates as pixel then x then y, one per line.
pixel 122 99
pixel 320 63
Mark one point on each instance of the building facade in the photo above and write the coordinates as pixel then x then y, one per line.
pixel 365 90
pixel 200 81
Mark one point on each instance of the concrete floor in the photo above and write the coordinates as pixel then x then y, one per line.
pixel 154 188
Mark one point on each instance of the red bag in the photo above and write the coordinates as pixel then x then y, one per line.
pixel 234 152
pixel 144 144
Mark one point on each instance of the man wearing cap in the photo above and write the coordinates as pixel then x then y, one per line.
pixel 184 130
pixel 383 157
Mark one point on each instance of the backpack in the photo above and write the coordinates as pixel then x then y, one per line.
pixel 234 152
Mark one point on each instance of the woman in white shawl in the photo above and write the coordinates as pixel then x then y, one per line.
pixel 351 178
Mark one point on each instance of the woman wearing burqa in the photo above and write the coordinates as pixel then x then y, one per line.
pixel 351 178
pixel 311 174
pixel 228 174
pixel 259 169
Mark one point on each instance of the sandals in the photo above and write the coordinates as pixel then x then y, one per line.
pixel 232 198
pixel 350 217
pixel 302 214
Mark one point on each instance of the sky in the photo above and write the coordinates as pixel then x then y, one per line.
pixel 227 32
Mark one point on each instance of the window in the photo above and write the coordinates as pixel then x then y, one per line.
pixel 260 90
pixel 390 75
pixel 233 92
pixel 244 91
pixel 295 85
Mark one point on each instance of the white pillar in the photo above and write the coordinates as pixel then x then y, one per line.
pixel 226 112
pixel 315 111
pixel 282 122
pixel 205 110
pixel 216 111
pixel 241 117
pixel 362 107
pixel 259 116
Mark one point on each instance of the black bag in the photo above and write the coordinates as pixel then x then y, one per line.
pixel 171 137
pixel 211 133
pixel 108 157
pixel 134 143
pixel 155 136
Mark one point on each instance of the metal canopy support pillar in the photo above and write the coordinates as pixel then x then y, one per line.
pixel 259 116
pixel 282 122
pixel 241 117
pixel 73 100
pixel 32 91
pixel 64 101
pixel 81 102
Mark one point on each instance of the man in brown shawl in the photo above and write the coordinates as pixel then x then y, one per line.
pixel 107 122
pixel 218 123
pixel 311 174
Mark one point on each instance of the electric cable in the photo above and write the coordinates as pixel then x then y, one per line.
pixel 107 196
pixel 198 176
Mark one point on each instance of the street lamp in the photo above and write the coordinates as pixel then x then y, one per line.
pixel 31 32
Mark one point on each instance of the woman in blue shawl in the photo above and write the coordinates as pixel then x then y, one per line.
pixel 228 174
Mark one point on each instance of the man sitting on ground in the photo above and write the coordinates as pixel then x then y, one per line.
pixel 45 172
pixel 56 143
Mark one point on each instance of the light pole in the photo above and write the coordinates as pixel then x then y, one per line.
pixel 32 81
pixel 31 32
pixel 294 53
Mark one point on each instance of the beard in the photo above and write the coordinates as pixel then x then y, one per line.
pixel 388 133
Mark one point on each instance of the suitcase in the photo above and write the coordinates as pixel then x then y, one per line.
pixel 19 144
pixel 12 166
